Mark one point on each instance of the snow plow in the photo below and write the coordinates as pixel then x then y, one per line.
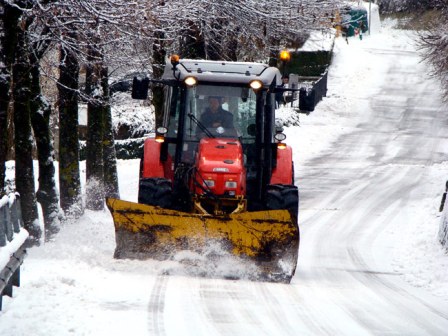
pixel 217 174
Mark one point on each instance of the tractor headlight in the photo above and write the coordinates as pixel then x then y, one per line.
pixel 209 183
pixel 231 184
pixel 280 137
pixel 162 130
pixel 190 81
pixel 256 84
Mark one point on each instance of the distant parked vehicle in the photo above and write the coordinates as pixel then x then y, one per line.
pixel 354 20
pixel 124 84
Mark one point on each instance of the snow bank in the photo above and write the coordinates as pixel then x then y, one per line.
pixel 374 17
pixel 11 247
pixel 319 40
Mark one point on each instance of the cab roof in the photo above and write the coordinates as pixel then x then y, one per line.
pixel 223 71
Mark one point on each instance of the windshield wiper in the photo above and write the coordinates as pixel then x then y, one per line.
pixel 201 126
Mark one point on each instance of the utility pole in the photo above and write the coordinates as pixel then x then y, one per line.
pixel 370 15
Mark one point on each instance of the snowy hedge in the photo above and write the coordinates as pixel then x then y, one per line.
pixel 132 120
pixel 126 149
pixel 443 230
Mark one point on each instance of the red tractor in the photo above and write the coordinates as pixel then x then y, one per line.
pixel 216 170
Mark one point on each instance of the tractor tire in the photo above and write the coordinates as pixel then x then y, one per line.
pixel 283 197
pixel 155 191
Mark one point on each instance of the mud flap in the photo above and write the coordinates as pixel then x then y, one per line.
pixel 269 239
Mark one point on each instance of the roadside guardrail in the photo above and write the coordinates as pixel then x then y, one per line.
pixel 12 244
pixel 312 94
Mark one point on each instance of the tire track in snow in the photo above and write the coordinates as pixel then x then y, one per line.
pixel 228 307
pixel 157 306
pixel 383 181
pixel 400 302
pixel 298 313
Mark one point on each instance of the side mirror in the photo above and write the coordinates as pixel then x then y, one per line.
pixel 140 88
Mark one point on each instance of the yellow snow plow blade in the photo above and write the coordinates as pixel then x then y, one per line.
pixel 270 239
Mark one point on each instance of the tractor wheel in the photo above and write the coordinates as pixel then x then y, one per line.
pixel 155 191
pixel 283 197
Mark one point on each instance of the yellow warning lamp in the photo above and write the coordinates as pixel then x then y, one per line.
pixel 160 134
pixel 175 59
pixel 285 56
pixel 281 145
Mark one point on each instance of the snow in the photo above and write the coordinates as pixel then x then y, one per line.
pixel 319 40
pixel 7 251
pixel 133 114
pixel 137 116
pixel 18 238
pixel 73 286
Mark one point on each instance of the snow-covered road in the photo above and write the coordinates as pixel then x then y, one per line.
pixel 371 162
pixel 358 199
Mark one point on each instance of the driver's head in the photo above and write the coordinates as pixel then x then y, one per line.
pixel 214 103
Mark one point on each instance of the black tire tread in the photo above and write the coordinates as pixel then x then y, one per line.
pixel 155 191
pixel 282 197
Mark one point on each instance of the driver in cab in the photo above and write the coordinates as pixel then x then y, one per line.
pixel 215 116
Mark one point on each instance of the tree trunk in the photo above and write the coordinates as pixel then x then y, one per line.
pixel 4 101
pixel 24 173
pixel 8 40
pixel 40 119
pixel 158 66
pixel 109 154
pixel 69 179
pixel 94 148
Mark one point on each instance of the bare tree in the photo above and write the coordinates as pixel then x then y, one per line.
pixel 5 53
pixel 409 6
pixel 40 119
pixel 434 44
pixel 101 35
pixel 17 26
pixel 101 27
pixel 69 175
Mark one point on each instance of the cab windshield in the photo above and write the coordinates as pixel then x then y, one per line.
pixel 219 111
pixel 210 111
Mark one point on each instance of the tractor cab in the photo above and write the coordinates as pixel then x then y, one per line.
pixel 218 131
pixel 217 173
pixel 232 102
